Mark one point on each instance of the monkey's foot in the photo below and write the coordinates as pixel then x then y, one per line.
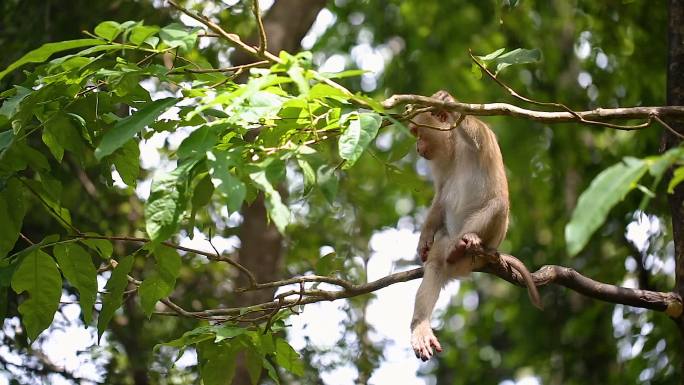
pixel 472 241
pixel 423 340
pixel 469 241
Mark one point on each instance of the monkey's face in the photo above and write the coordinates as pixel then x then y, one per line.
pixel 428 139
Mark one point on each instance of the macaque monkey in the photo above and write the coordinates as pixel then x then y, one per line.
pixel 469 210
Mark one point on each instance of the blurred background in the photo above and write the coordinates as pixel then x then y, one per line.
pixel 594 53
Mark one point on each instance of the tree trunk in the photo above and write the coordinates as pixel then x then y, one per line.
pixel 261 252
pixel 675 96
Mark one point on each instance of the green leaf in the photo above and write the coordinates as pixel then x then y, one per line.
pixel 288 358
pixel 308 173
pixel 126 128
pixel 43 52
pixel 60 133
pixel 343 74
pixel 517 56
pixel 297 75
pixel 108 30
pixel 198 143
pixel 677 178
pixel 272 372
pixel 167 202
pixel 177 35
pixel 11 105
pixel 102 246
pixel 201 196
pixel 328 182
pixel 197 335
pixel 217 363
pixel 113 299
pixel 39 277
pixel 127 162
pixel 253 365
pixel 322 90
pixel 141 32
pixel 605 191
pixel 77 267
pixel 492 55
pixel 12 211
pixel 53 205
pixel 226 332
pixel 229 186
pixel 358 135
pixel 162 282
pixel 277 211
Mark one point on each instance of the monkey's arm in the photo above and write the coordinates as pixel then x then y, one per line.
pixel 433 222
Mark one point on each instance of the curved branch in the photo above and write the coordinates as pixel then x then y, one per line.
pixel 491 109
pixel 670 303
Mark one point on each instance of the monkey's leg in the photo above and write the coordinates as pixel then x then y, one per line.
pixel 422 338
pixel 486 226
pixel 433 221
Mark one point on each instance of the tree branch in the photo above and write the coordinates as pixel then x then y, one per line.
pixel 492 109
pixel 668 302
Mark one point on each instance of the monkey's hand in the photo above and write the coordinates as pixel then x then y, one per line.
pixel 442 115
pixel 423 340
pixel 424 245
pixel 469 241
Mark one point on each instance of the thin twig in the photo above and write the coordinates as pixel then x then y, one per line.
pixel 214 257
pixel 556 105
pixel 667 126
pixel 225 69
pixel 260 25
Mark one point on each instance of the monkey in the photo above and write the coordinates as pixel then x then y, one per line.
pixel 469 209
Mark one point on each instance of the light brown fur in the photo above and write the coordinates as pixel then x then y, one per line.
pixel 470 208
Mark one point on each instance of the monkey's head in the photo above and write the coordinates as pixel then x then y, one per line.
pixel 432 133
pixel 432 130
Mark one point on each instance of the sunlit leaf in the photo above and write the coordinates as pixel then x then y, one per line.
pixel 357 136
pixel 44 52
pixel 167 202
pixel 108 30
pixel 677 178
pixel 288 358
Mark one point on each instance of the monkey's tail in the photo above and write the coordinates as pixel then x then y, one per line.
pixel 520 267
